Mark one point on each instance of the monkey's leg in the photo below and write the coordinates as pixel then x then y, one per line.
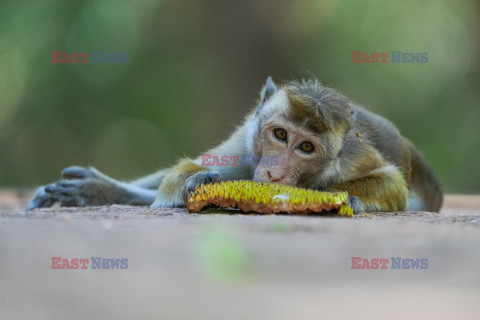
pixel 89 187
pixel 180 180
pixel 384 189
pixel 152 181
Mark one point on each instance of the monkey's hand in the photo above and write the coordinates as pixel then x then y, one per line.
pixel 82 187
pixel 180 181
pixel 356 204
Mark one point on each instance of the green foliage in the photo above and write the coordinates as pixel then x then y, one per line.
pixel 195 67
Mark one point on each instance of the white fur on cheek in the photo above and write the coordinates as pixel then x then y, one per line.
pixel 252 132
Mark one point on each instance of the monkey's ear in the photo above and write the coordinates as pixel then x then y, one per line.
pixel 269 89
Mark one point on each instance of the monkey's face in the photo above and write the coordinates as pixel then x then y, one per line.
pixel 296 133
pixel 290 155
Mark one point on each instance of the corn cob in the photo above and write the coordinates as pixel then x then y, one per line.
pixel 260 197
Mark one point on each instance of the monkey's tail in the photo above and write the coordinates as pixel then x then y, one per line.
pixel 424 182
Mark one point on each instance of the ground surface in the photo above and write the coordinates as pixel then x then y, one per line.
pixel 224 266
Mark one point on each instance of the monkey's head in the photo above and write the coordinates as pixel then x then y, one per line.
pixel 298 130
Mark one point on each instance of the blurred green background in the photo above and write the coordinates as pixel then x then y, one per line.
pixel 195 68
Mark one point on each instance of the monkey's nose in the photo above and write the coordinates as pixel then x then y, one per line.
pixel 273 179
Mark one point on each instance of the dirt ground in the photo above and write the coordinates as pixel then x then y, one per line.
pixel 230 266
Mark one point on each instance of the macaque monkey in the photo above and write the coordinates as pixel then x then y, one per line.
pixel 320 140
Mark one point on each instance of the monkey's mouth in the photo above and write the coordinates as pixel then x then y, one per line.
pixel 282 181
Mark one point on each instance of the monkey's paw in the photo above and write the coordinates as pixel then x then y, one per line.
pixel 80 187
pixel 356 204
pixel 201 178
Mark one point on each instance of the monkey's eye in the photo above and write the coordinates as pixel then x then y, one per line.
pixel 280 134
pixel 306 147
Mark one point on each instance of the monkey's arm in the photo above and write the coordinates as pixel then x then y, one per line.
pixel 384 189
pixel 89 187
pixel 183 178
